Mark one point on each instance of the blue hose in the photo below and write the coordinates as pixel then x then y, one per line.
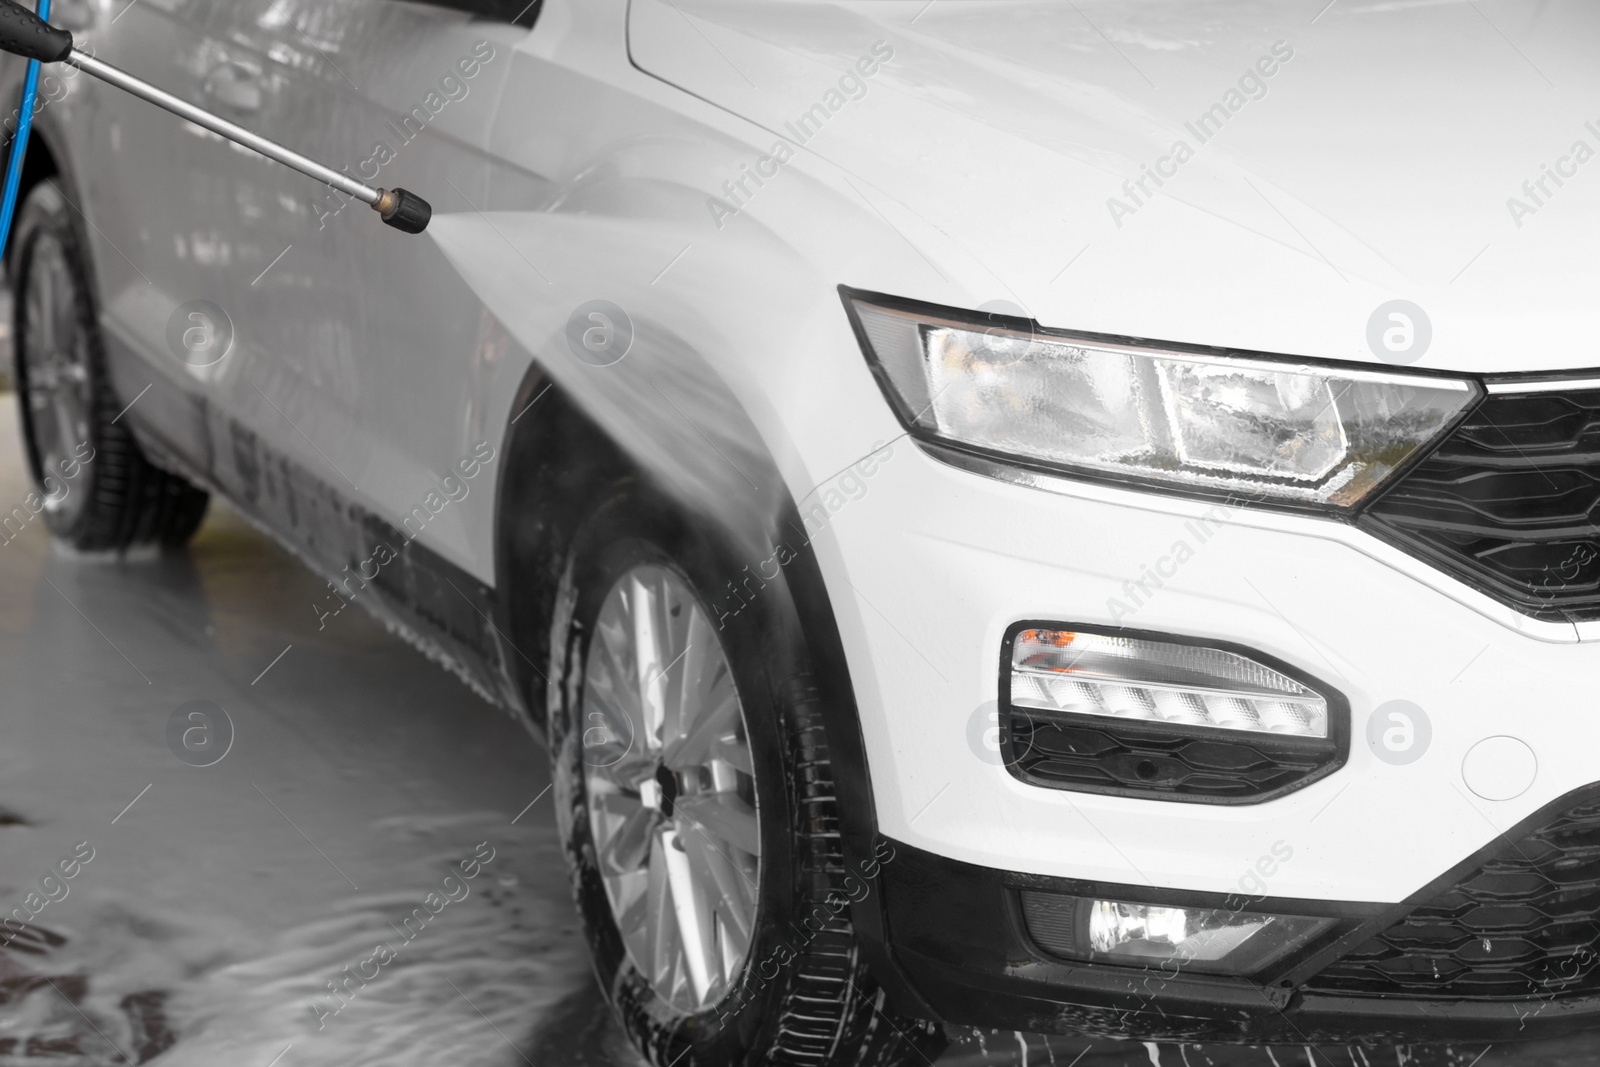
pixel 19 146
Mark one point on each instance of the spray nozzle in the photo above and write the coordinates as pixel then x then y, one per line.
pixel 405 211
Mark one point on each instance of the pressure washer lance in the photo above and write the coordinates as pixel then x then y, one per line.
pixel 22 33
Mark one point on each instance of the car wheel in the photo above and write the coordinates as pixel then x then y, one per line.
pixel 697 809
pixel 96 490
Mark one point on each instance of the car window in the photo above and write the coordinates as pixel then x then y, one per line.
pixel 518 12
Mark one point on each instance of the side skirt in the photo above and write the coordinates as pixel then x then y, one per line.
pixel 366 560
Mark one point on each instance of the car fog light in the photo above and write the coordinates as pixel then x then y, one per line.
pixel 1204 940
pixel 1147 931
pixel 1139 678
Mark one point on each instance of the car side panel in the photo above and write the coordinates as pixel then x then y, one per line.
pixel 357 342
pixel 147 256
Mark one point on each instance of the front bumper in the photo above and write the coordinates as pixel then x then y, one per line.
pixel 931 563
pixel 957 930
pixel 928 566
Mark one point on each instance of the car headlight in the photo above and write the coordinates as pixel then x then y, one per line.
pixel 1199 421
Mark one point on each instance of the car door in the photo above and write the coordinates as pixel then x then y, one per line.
pixel 131 186
pixel 356 342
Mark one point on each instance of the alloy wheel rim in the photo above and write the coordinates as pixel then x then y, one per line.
pixel 55 351
pixel 670 786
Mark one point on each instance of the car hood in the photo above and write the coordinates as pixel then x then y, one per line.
pixel 1398 150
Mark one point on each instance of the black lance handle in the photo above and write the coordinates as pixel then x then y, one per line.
pixel 22 33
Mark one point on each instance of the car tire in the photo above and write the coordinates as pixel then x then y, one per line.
pixel 96 490
pixel 799 992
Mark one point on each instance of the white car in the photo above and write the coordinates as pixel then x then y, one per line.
pixel 1060 517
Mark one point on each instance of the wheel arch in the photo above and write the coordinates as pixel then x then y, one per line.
pixel 556 469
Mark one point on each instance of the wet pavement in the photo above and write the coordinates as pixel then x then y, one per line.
pixel 219 914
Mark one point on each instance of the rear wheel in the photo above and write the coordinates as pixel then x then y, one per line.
pixel 94 488
pixel 697 809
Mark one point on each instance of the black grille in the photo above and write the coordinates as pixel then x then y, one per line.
pixel 1523 925
pixel 1100 755
pixel 1510 503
